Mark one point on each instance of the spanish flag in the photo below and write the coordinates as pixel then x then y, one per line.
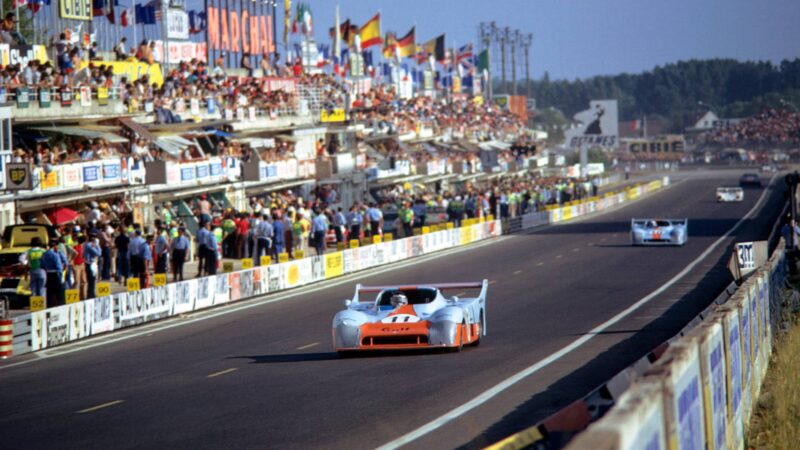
pixel 370 33
pixel 407 44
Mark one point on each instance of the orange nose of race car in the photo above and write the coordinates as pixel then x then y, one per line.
pixel 400 329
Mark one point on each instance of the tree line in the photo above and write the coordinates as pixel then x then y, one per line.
pixel 679 92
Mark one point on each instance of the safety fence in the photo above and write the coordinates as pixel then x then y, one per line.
pixel 63 324
pixel 574 209
pixel 696 391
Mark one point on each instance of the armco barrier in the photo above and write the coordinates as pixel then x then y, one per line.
pixel 713 378
pixel 59 325
pixel 731 328
pixel 636 422
pixel 743 327
pixel 678 374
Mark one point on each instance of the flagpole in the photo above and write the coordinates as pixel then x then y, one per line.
pixel 133 15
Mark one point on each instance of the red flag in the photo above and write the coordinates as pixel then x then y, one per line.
pixel 123 18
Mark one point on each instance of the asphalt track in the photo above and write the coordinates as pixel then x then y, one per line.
pixel 266 377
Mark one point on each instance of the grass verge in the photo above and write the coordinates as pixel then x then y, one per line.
pixel 776 421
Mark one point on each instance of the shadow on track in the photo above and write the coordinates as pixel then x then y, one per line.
pixel 288 357
pixel 329 356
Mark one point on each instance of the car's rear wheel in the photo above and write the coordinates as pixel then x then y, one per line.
pixel 462 330
pixel 478 332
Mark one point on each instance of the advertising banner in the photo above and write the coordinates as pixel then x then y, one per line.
pixel 75 9
pixel 80 320
pixel 38 330
pixel 222 293
pixel 102 314
pixel 183 294
pixel 143 306
pixel 275 281
pixel 334 265
pixel 58 325
pixel 206 290
pixel 733 357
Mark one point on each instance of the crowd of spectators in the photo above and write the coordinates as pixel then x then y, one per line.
pixel 773 127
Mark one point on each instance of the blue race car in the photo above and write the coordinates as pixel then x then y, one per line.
pixel 659 231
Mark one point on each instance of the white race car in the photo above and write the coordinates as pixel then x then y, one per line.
pixel 730 194
pixel 408 317
pixel 659 231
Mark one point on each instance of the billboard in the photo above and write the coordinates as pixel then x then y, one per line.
pixel 599 126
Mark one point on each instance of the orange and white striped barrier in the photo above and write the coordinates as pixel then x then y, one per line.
pixel 6 337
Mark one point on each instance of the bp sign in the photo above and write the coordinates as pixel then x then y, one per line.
pixel 18 177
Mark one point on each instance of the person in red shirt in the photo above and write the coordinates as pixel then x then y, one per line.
pixel 242 227
pixel 79 267
pixel 297 68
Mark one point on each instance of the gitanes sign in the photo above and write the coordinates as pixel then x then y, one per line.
pixel 599 126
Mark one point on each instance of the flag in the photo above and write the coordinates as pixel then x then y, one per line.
pixel 98 7
pixel 124 20
pixel 434 47
pixel 347 31
pixel 198 21
pixel 389 44
pixel 287 19
pixel 407 44
pixel 483 60
pixel 323 54
pixel 35 5
pixel 109 11
pixel 464 56
pixel 145 14
pixel 302 19
pixel 371 32
pixel 157 10
pixel 367 55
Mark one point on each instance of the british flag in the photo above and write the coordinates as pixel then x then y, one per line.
pixel 464 56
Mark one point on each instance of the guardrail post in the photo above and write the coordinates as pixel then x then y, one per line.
pixel 6 330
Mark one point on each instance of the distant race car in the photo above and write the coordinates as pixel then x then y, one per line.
pixel 659 231
pixel 411 317
pixel 730 194
pixel 750 179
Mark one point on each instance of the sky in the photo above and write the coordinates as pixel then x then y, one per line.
pixel 582 38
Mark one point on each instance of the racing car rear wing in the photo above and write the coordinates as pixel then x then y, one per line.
pixel 643 222
pixel 483 285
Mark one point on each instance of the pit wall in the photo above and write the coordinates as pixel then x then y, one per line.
pixel 60 325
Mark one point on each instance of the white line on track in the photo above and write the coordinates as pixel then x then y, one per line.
pixel 95 408
pixel 576 249
pixel 517 272
pixel 222 372
pixel 492 392
pixel 559 256
pixel 540 263
pixel 313 344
